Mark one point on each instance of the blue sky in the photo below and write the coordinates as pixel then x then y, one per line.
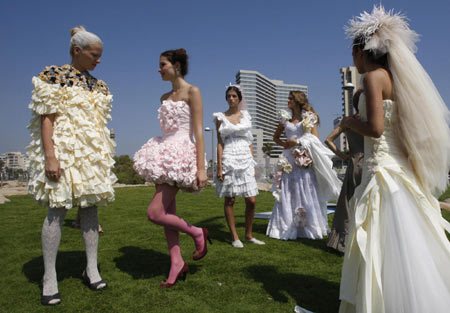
pixel 293 40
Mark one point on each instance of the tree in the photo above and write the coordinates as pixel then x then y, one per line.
pixel 267 148
pixel 123 168
pixel 2 163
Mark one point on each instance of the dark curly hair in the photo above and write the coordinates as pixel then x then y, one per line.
pixel 180 56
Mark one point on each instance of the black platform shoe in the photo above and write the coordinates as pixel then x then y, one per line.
pixel 51 300
pixel 95 286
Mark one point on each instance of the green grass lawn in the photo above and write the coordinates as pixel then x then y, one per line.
pixel 133 260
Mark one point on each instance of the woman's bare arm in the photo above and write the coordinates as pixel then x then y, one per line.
pixel 219 151
pixel 196 105
pixel 52 168
pixel 330 142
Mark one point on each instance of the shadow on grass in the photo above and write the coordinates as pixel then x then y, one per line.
pixel 216 228
pixel 320 244
pixel 68 264
pixel 219 231
pixel 312 293
pixel 145 263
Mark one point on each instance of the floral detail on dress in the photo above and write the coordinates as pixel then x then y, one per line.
pixel 168 115
pixel 309 119
pixel 300 217
pixel 302 158
pixel 162 162
pixel 171 158
pixel 284 165
pixel 284 116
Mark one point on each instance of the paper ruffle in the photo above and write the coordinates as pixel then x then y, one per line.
pixel 82 146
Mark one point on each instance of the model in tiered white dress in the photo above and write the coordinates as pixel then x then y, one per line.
pixel 238 165
pixel 235 164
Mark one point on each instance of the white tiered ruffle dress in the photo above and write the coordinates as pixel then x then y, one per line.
pixel 238 165
pixel 171 158
pixel 81 140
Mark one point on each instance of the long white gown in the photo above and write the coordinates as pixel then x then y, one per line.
pixel 301 207
pixel 397 258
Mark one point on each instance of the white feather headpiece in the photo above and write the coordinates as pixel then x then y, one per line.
pixel 377 30
pixel 421 117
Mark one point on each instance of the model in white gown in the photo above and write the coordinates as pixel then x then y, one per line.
pixel 397 257
pixel 300 210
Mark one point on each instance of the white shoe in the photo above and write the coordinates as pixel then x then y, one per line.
pixel 255 241
pixel 237 244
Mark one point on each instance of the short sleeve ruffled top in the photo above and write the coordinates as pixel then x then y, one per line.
pixel 82 105
pixel 238 166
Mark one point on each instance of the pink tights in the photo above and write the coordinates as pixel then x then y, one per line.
pixel 162 211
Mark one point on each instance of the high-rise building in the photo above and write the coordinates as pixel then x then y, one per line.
pixel 350 79
pixel 351 82
pixel 264 97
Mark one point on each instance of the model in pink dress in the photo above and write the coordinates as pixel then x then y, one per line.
pixel 176 160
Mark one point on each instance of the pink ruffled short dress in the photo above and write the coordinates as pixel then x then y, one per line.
pixel 170 158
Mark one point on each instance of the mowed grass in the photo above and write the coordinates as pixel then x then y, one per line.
pixel 133 260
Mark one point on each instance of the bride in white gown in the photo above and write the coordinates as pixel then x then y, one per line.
pixel 397 258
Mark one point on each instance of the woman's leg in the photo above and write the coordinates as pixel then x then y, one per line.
pixel 173 243
pixel 249 216
pixel 51 237
pixel 159 212
pixel 229 216
pixel 89 231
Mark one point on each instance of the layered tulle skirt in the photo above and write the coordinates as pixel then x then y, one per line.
pixel 170 159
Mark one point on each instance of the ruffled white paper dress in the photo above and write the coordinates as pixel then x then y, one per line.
pixel 397 258
pixel 81 139
pixel 171 158
pixel 300 210
pixel 238 166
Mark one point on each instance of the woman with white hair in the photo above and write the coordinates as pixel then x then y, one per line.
pixel 71 153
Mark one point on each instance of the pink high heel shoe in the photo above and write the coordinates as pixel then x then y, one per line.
pixel 181 275
pixel 200 254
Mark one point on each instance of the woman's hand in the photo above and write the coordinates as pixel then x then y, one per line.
pixel 290 143
pixel 52 169
pixel 202 179
pixel 347 121
pixel 219 175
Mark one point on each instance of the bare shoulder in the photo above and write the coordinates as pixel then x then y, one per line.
pixel 379 79
pixel 193 90
pixel 379 75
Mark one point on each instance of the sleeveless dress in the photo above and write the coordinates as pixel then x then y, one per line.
pixel 82 105
pixel 238 166
pixel 171 158
pixel 301 207
pixel 352 179
pixel 397 258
